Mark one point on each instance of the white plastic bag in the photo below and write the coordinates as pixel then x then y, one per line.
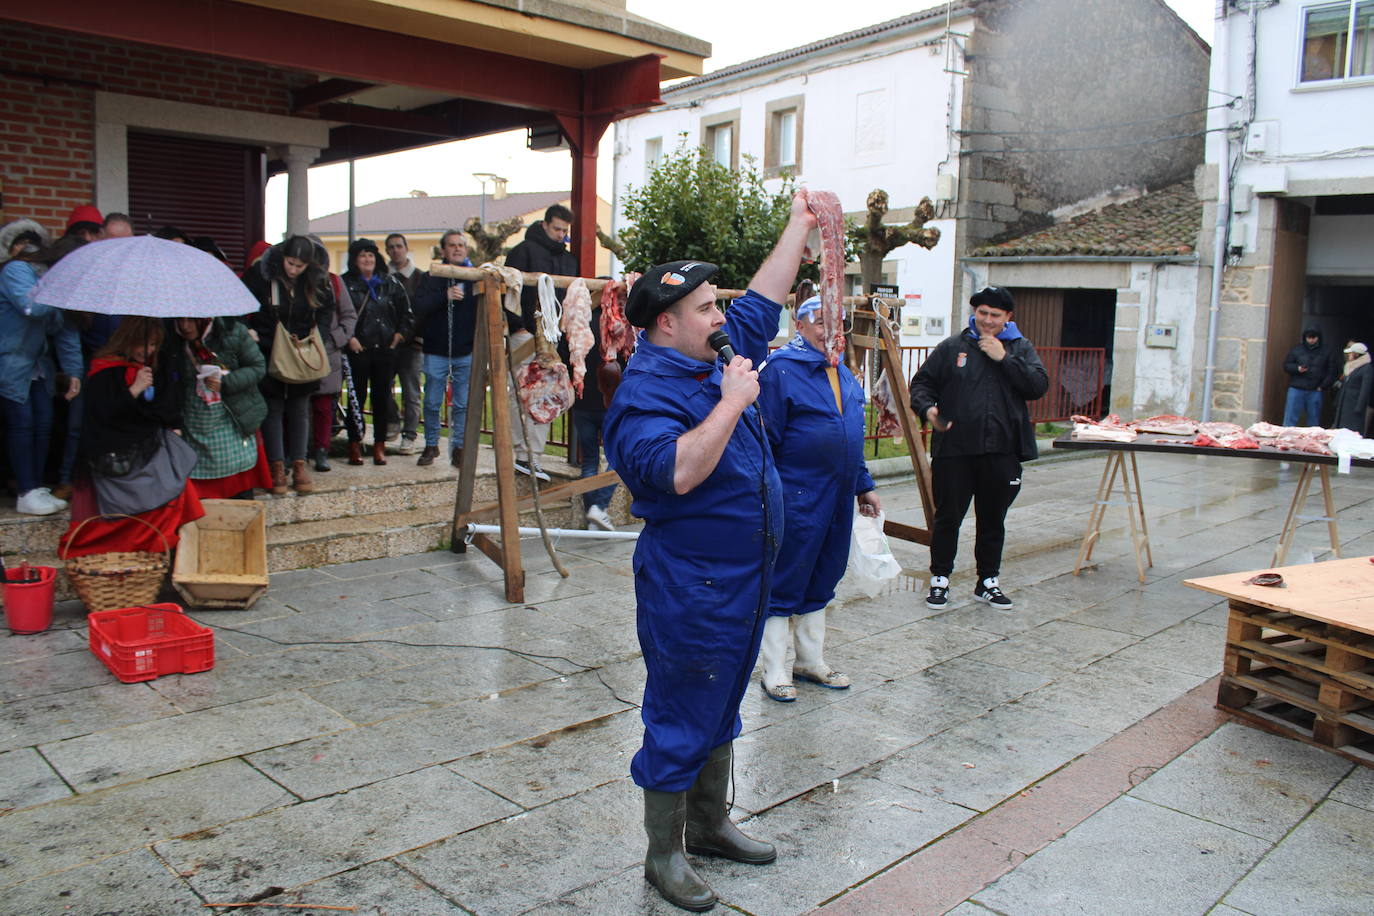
pixel 870 557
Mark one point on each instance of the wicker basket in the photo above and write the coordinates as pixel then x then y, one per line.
pixel 104 581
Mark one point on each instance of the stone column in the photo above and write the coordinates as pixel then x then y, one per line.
pixel 298 159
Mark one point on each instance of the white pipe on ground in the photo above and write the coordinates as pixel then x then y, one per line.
pixel 470 530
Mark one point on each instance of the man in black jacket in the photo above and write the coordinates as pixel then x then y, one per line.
pixel 446 316
pixel 973 390
pixel 1311 367
pixel 542 251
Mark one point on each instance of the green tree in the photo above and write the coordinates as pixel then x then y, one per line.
pixel 692 207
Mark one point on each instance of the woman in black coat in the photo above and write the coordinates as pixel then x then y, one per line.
pixel 293 292
pixel 385 321
pixel 1354 388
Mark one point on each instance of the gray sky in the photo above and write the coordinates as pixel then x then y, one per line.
pixel 737 29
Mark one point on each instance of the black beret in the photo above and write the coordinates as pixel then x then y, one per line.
pixel 995 296
pixel 663 285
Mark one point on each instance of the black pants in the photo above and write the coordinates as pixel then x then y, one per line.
pixel 374 369
pixel 991 482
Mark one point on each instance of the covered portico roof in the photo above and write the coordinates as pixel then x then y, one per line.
pixel 395 74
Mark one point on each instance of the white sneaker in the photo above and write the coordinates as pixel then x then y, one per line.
pixel 61 503
pixel 37 502
pixel 407 446
pixel 598 519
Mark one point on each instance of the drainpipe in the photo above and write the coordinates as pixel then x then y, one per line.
pixel 1219 47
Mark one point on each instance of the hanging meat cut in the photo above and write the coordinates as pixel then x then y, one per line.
pixel 888 422
pixel 829 216
pixel 577 327
pixel 617 337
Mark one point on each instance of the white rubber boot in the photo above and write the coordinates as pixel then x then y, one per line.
pixel 811 666
pixel 777 682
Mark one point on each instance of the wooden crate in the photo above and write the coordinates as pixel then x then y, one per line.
pixel 222 558
pixel 1299 661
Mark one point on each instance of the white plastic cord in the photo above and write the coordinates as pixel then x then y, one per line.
pixel 549 305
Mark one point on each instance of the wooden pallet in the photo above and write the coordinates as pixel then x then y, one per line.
pixel 1299 660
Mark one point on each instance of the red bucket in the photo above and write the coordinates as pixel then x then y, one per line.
pixel 28 605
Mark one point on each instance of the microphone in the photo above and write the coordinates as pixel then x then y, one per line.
pixel 720 342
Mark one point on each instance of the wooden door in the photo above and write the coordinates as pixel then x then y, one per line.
pixel 1286 293
pixel 1040 315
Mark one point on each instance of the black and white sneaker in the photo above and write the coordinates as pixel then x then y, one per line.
pixel 988 591
pixel 939 593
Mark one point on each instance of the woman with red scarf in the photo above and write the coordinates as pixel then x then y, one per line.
pixel 135 400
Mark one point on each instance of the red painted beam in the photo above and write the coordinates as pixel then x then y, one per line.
pixel 624 88
pixel 326 91
pixel 304 43
pixel 408 122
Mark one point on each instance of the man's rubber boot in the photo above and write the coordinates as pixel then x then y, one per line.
pixel 777 680
pixel 665 865
pixel 810 665
pixel 710 832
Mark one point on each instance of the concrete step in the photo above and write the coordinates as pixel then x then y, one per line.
pixel 354 513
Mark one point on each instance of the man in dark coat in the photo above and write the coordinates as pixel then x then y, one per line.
pixel 1311 367
pixel 543 251
pixel 973 390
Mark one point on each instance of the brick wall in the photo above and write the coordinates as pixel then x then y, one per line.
pixel 47 128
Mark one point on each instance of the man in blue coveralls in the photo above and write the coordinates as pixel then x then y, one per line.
pixel 685 437
pixel 814 415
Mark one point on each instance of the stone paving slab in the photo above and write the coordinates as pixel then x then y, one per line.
pixel 105 887
pixel 26 779
pixel 1188 647
pixel 1356 789
pixel 375 889
pixel 40 720
pixel 315 839
pixel 1321 867
pixel 979 763
pixel 829 839
pixel 359 756
pixel 515 864
pixel 1130 858
pixel 559 763
pixel 1053 648
pixel 131 752
pixel 1110 694
pixel 1248 780
pixel 69 833
pixel 256 676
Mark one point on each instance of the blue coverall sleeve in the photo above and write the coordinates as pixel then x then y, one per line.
pixel 751 322
pixel 772 404
pixel 648 457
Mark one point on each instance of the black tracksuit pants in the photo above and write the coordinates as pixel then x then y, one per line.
pixel 991 482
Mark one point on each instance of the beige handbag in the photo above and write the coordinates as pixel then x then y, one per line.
pixel 296 360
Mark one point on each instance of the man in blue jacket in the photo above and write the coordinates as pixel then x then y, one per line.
pixel 973 390
pixel 684 435
pixel 814 415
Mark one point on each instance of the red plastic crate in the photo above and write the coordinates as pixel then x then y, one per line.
pixel 143 643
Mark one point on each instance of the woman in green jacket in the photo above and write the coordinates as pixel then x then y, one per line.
pixel 218 366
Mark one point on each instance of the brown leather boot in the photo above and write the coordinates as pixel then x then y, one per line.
pixel 379 453
pixel 300 478
pixel 428 455
pixel 355 453
pixel 278 477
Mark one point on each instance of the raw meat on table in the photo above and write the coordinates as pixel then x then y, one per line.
pixel 1220 430
pixel 1166 424
pixel 830 217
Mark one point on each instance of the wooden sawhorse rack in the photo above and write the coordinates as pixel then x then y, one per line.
pixel 1120 465
pixel 1293 519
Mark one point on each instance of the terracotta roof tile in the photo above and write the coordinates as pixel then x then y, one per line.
pixel 1159 224
pixel 418 214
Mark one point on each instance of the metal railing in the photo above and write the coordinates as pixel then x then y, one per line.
pixel 1076 378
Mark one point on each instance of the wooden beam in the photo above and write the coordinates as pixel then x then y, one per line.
pixel 325 91
pixel 559 491
pixel 388 119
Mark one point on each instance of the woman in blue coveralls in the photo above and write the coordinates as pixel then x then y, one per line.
pixel 686 439
pixel 814 415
